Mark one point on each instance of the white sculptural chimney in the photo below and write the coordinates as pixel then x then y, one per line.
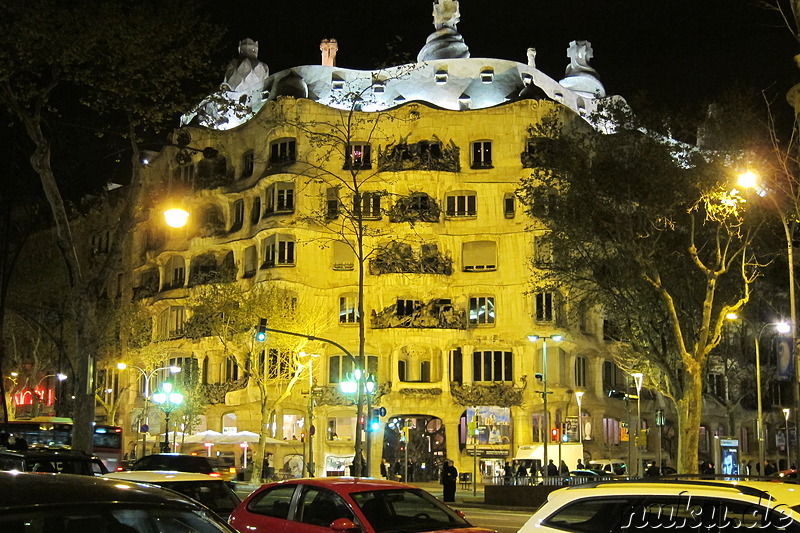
pixel 328 47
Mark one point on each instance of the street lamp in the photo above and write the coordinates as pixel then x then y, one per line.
pixel 786 412
pixel 143 427
pixel 637 379
pixel 780 327
pixel 176 217
pixel 365 385
pixel 544 393
pixel 60 376
pixel 749 180
pixel 579 397
pixel 167 400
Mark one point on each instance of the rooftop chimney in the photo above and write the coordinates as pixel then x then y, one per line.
pixel 328 47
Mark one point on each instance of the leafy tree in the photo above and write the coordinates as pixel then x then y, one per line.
pixel 647 229
pixel 229 313
pixel 103 53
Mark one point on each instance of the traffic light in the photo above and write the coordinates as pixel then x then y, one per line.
pixel 555 434
pixel 303 436
pixel 261 332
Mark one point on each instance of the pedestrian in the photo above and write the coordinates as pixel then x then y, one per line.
pixel 522 474
pixel 398 470
pixel 652 470
pixel 769 468
pixel 384 468
pixel 552 469
pixel 508 473
pixel 448 481
pixel 580 465
pixel 563 469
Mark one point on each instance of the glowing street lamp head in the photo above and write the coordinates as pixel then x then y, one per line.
pixel 122 366
pixel 748 180
pixel 175 217
pixel 783 327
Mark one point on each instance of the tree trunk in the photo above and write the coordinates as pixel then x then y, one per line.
pixel 258 453
pixel 689 414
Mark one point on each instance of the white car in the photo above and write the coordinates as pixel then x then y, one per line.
pixel 675 506
pixel 212 492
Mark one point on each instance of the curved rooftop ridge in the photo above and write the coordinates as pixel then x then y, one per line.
pixel 455 84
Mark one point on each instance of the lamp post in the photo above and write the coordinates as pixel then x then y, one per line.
pixel 310 467
pixel 60 376
pixel 637 379
pixel 167 400
pixel 544 393
pixel 781 327
pixel 143 427
pixel 786 412
pixel 749 180
pixel 579 398
pixel 364 385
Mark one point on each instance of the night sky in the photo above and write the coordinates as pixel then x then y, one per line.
pixel 675 50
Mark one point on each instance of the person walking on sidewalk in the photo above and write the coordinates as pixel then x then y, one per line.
pixel 448 481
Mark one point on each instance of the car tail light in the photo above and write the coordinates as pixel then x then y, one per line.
pixel 120 469
pixel 215 474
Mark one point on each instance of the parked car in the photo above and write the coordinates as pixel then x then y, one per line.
pixel 34 503
pixel 177 462
pixel 344 504
pixel 53 461
pixel 674 505
pixel 212 492
pixel 608 467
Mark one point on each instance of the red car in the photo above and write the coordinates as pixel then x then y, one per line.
pixel 345 504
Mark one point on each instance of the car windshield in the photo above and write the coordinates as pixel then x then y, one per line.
pixel 406 510
pixel 111 519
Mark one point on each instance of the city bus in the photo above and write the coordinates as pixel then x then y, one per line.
pixel 56 432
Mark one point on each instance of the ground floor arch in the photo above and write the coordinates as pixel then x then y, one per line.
pixel 414 447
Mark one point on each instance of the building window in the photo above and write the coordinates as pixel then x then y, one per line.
pixel 175 272
pixel 715 384
pixel 250 261
pixel 492 365
pixel 357 156
pixel 609 376
pixel 487 75
pixel 545 306
pixel 231 369
pixel 348 309
pixel 407 308
pixel 369 205
pixel 461 204
pixel 543 250
pixel 279 250
pixel 248 164
pixel 189 374
pixel 482 154
pixel 339 366
pixel 238 215
pixel 509 205
pixel 280 198
pixel 580 372
pixel 343 256
pixel 283 151
pixel 441 75
pixel 331 203
pixel 479 256
pixel 456 366
pixel 170 323
pixel 255 211
pixel 100 242
pixel 401 370
pixel 481 310
pixel 611 430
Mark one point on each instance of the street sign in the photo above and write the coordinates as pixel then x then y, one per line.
pixel 382 411
pixel 144 428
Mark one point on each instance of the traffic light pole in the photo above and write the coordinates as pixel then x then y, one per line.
pixel 263 328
